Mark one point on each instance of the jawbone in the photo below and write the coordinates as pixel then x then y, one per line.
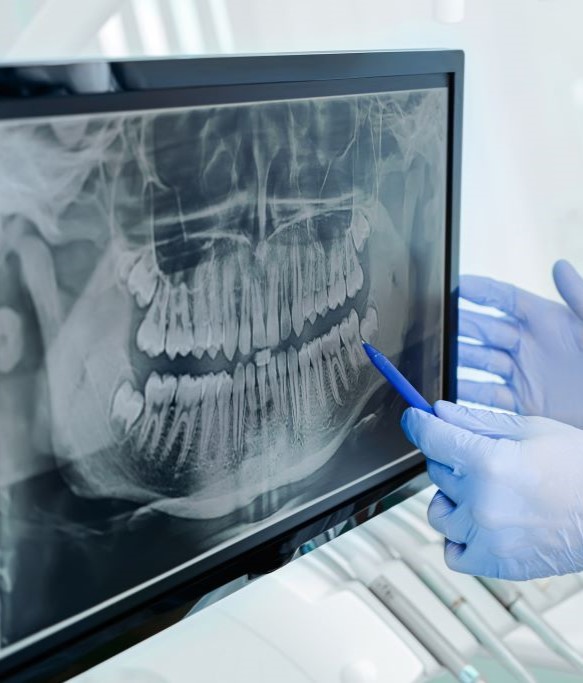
pixel 91 358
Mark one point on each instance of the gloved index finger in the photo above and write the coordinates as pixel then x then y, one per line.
pixel 443 442
pixel 570 286
pixel 485 291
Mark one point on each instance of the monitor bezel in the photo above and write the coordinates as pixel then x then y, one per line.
pixel 134 85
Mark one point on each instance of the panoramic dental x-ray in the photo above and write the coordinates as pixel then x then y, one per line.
pixel 183 295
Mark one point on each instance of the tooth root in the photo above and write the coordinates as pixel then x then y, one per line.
pixel 192 398
pixel 126 408
pixel 273 385
pixel 207 414
pixel 200 311
pixel 309 306
pixel 354 274
pixel 238 407
pixel 294 386
pixel 225 388
pixel 151 337
pixel 151 391
pixel 272 301
pixel 336 356
pixel 257 306
pixel 304 362
pixel 321 296
pixel 250 394
pixel 143 278
pixel 349 339
pixel 187 403
pixel 215 310
pixel 159 393
pixel 333 382
pixel 285 324
pixel 297 294
pixel 245 318
pixel 282 376
pixel 179 337
pixel 359 230
pixel 262 387
pixel 336 284
pixel 315 353
pixel 230 318
pixel 327 348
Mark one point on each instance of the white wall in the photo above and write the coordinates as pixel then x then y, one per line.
pixel 523 147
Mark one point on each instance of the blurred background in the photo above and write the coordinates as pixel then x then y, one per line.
pixel 523 139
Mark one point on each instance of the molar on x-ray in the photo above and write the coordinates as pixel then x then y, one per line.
pixel 199 281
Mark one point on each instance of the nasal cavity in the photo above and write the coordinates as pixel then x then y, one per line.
pixel 184 235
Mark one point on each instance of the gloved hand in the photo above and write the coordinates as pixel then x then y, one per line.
pixel 537 347
pixel 510 502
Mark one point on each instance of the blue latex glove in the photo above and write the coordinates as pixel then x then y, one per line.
pixel 536 348
pixel 510 503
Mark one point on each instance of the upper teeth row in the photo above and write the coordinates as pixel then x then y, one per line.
pixel 290 379
pixel 223 307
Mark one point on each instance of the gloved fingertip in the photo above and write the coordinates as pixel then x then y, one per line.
pixel 453 553
pixel 467 284
pixel 565 275
pixel 569 285
pixel 444 409
pixel 405 423
pixel 562 266
pixel 410 421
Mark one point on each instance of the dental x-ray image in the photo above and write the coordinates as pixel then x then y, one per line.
pixel 183 294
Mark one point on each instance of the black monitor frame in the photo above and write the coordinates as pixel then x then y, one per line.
pixel 44 90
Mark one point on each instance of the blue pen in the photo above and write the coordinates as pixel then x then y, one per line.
pixel 390 373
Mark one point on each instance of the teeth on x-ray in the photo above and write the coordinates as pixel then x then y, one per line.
pixel 206 316
pixel 186 407
pixel 349 333
pixel 126 408
pixel 294 386
pixel 219 408
pixel 159 394
pixel 238 408
pixel 354 274
pixel 142 279
pixel 336 281
pixel 179 337
pixel 218 328
pixel 370 325
pixel 304 363
pixel 151 337
pixel 207 413
pixel 334 362
pixel 316 359
pixel 359 229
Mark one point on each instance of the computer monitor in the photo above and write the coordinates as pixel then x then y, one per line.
pixel 191 251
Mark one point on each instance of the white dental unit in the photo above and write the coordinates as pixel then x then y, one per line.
pixel 204 478
pixel 316 620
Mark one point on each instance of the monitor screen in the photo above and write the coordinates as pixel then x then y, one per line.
pixel 187 270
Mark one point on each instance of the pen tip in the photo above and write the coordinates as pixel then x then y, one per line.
pixel 367 347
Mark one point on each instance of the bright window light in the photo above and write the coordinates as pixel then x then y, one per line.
pixel 222 23
pixel 449 11
pixel 151 27
pixel 188 26
pixel 112 39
